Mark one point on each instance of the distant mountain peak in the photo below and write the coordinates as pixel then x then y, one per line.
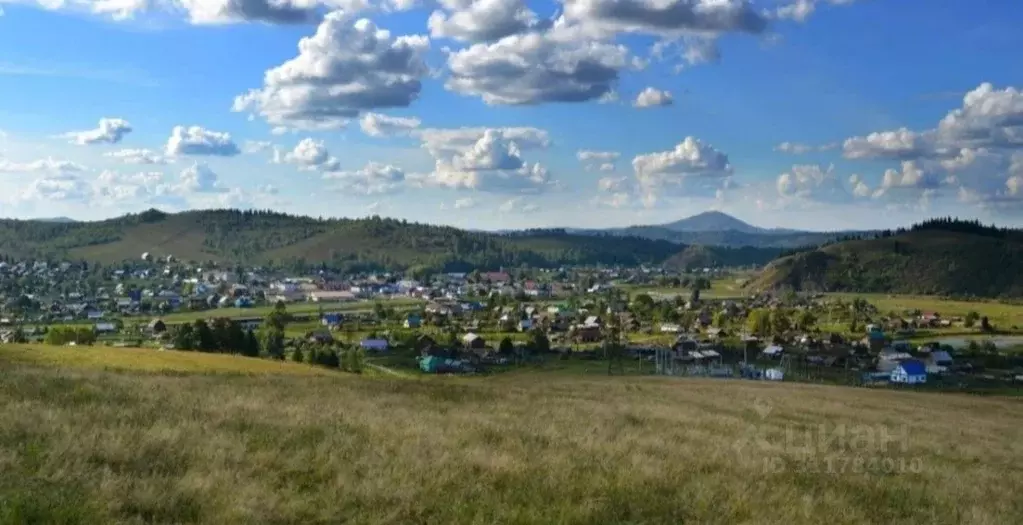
pixel 712 221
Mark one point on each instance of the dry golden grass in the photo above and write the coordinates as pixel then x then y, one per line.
pixel 90 446
pixel 150 360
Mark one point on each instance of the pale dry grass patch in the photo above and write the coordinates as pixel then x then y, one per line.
pixel 151 360
pixel 118 447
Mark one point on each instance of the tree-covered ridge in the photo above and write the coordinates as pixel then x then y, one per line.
pixel 972 227
pixel 940 256
pixel 375 243
pixel 938 224
pixel 730 238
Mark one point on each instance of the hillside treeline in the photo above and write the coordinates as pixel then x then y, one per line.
pixel 300 243
pixel 949 257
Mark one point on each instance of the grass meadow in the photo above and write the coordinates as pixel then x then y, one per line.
pixel 1001 315
pixel 729 287
pixel 400 304
pixel 148 360
pixel 83 443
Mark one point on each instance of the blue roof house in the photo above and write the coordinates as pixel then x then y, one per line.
pixel 331 319
pixel 375 345
pixel 909 372
pixel 413 321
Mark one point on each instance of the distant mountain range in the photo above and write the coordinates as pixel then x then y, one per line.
pixel 711 228
pixel 253 237
pixel 940 256
pixel 714 228
pixel 711 221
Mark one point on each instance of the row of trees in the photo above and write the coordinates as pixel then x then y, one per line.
pixel 62 335
pixel 949 224
pixel 350 359
pixel 954 224
pixel 220 336
pixel 763 322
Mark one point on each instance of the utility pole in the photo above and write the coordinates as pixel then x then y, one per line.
pixel 612 345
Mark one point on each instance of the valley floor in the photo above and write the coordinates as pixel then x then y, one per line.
pixel 79 444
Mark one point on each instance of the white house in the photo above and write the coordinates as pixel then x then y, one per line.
pixel 330 295
pixel 289 296
pixel 406 285
pixel 106 327
pixel 911 372
pixel 938 362
pixel 284 287
pixel 889 360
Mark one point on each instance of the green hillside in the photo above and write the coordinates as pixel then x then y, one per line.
pixel 696 257
pixel 231 236
pixel 939 257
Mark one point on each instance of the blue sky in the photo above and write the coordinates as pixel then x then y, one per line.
pixel 814 114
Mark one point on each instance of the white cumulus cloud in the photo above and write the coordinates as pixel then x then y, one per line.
pixel 109 131
pixel 692 167
pixel 199 178
pixel 480 20
pixel 812 182
pixel 346 68
pixel 57 187
pixel 373 179
pixel 137 156
pixel 537 67
pixel 972 149
pixel 195 140
pixel 492 162
pixel 465 204
pixel 378 125
pixel 47 165
pixel 598 160
pixel 652 97
pixel 518 205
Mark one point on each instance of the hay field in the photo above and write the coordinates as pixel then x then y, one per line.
pixel 91 446
pixel 1002 315
pixel 149 360
pixel 728 287
pixel 362 306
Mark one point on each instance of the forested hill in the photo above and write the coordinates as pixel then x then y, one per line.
pixel 232 236
pixel 942 256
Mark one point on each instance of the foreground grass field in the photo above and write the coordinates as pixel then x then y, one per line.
pixel 81 445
